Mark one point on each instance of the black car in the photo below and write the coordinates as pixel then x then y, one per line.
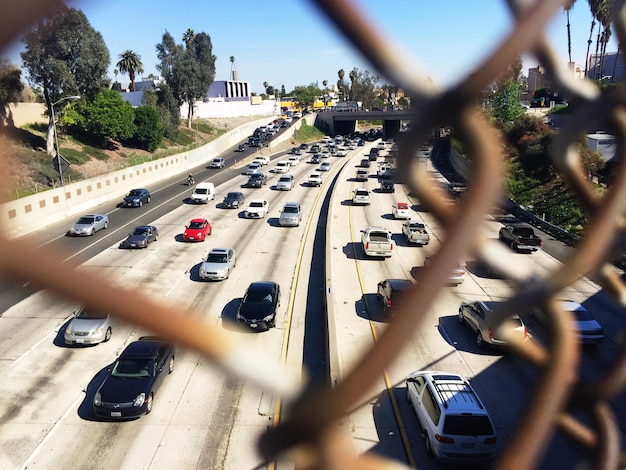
pixel 129 387
pixel 258 306
pixel 304 146
pixel 316 158
pixel 390 292
pixel 233 200
pixel 240 148
pixel 257 180
pixel 141 237
pixel 365 163
pixel 387 186
pixel 136 198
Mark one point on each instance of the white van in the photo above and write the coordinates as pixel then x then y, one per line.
pixel 203 193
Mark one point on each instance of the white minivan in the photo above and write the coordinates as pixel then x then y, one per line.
pixel 203 193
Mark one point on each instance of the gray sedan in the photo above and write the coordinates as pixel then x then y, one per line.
pixel 89 224
pixel 218 264
pixel 88 327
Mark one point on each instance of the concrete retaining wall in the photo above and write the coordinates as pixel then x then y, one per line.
pixel 33 212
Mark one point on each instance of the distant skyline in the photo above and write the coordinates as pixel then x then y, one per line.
pixel 293 44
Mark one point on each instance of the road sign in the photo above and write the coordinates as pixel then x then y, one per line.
pixel 64 164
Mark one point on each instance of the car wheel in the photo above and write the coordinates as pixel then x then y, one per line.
pixel 479 339
pixel 513 246
pixel 140 203
pixel 156 237
pixel 106 224
pixel 429 449
pixel 460 317
pixel 107 335
pixel 148 200
pixel 171 366
pixel 92 232
pixel 149 403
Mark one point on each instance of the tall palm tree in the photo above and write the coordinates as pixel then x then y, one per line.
pixel 353 77
pixel 265 86
pixel 130 63
pixel 188 37
pixel 232 67
pixel 567 7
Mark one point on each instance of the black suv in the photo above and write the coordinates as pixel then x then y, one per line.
pixel 257 180
pixel 129 387
pixel 390 292
pixel 136 198
pixel 387 186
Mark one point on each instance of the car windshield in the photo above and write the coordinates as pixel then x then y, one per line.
pixel 133 368
pixel 256 204
pixel 232 196
pixel 582 315
pixel 90 315
pixel 362 193
pixel 217 258
pixel 467 425
pixel 140 231
pixel 196 225
pixel 135 193
pixel 290 210
pixel 259 297
pixel 86 220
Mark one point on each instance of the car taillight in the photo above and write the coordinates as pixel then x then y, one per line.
pixel 389 303
pixel 367 245
pixel 444 440
pixel 490 333
pixel 491 440
pixel 391 246
pixel 525 333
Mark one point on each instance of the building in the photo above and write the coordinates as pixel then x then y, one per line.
pixel 609 67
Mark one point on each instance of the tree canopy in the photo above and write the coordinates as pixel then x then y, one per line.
pixel 306 95
pixel 65 56
pixel 188 69
pixel 10 89
pixel 107 116
pixel 130 63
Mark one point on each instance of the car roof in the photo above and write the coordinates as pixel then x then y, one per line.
pixel 400 284
pixel 144 347
pixel 198 220
pixel 263 286
pixel 262 201
pixel 292 204
pixel 219 250
pixel 571 306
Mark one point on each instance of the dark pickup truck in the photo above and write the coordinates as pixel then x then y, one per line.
pixel 520 238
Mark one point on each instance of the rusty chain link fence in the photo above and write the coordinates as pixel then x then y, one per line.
pixel 308 434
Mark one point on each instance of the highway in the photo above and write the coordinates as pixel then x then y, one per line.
pixel 204 419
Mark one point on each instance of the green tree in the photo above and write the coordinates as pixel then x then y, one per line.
pixel 130 63
pixel 306 95
pixel 169 110
pixel 65 56
pixel 11 88
pixel 506 105
pixel 342 87
pixel 363 87
pixel 148 129
pixel 106 117
pixel 188 70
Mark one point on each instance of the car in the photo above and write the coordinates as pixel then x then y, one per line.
pixel 295 151
pixel 415 232
pixel 325 153
pixel 479 317
pixel 141 237
pixel 219 162
pixel 314 180
pixel 389 293
pixel 588 330
pixel 282 167
pixel 88 327
pixel 316 158
pixel 341 153
pixel 217 264
pixel 456 276
pixel 315 148
pixel 262 160
pixel 304 145
pixel 197 230
pixel 136 198
pixel 233 200
pixel 455 424
pixel 291 215
pixel 132 381
pixel 259 305
pixel 257 180
pixel 361 196
pixel 325 166
pixel 257 208
pixel 387 185
pixel 253 168
pixel 365 163
pixel 240 148
pixel 203 193
pixel 352 146
pixel 89 224
pixel 285 183
pixel 384 170
pixel 293 160
pixel 362 175
pixel 360 143
pixel 401 210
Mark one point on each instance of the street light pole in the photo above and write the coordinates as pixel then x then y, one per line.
pixel 54 127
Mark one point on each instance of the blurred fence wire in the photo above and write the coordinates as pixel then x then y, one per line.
pixel 308 433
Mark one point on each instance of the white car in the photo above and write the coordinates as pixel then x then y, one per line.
pixel 315 180
pixel 361 197
pixel 293 160
pixel 325 166
pixel 282 167
pixel 285 183
pixel 257 208
pixel 342 152
pixel 401 210
pixel 261 161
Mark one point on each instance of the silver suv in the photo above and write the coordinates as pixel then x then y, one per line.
pixel 454 422
pixel 479 317
pixel 291 215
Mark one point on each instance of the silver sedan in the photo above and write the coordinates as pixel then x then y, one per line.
pixel 88 327
pixel 89 224
pixel 218 264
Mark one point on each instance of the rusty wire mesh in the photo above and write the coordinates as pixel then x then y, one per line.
pixel 308 434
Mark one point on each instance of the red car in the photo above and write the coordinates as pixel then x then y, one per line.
pixel 197 230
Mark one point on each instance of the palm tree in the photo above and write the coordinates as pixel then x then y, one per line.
pixel 265 85
pixel 567 7
pixel 116 72
pixel 341 84
pixel 188 37
pixel 232 67
pixel 325 83
pixel 130 63
pixel 353 77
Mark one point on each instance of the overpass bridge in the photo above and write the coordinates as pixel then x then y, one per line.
pixel 344 122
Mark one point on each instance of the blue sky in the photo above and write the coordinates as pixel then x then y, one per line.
pixel 289 42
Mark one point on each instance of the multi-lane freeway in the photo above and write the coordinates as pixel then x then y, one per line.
pixel 204 419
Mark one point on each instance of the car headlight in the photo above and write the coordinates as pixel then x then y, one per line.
pixel 269 317
pixel 97 399
pixel 240 316
pixel 141 398
pixel 68 330
pixel 99 331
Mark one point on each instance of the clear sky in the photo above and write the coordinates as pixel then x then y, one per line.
pixel 289 42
